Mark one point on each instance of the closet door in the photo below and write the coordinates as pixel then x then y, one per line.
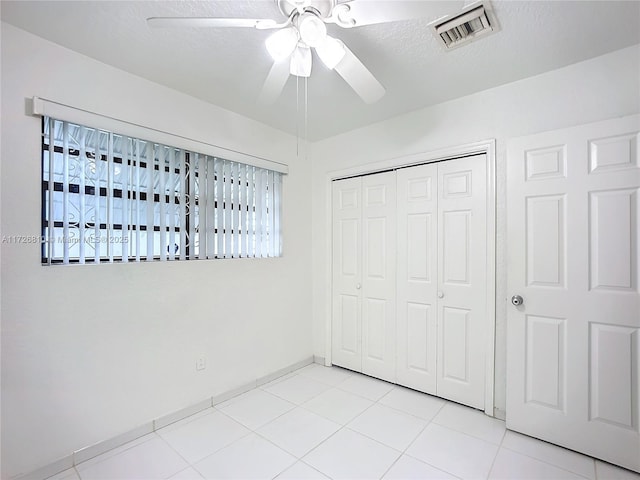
pixel 417 277
pixel 379 275
pixel 346 328
pixel 462 278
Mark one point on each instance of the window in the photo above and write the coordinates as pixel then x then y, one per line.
pixel 112 198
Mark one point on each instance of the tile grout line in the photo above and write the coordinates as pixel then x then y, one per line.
pixel 404 452
pixel 495 457
pixel 552 464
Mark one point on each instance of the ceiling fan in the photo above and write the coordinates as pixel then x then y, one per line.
pixel 304 27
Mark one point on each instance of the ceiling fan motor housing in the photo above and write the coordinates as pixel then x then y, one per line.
pixel 323 7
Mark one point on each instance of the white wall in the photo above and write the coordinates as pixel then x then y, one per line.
pixel 589 91
pixel 89 352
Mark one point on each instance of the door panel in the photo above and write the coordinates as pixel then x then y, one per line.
pixel 612 243
pixel 379 276
pixel 455 247
pixel 545 352
pixel 455 335
pixel 546 246
pixel 462 274
pixel 417 217
pixel 613 399
pixel 346 297
pixel 572 348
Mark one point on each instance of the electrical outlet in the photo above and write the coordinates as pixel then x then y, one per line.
pixel 201 363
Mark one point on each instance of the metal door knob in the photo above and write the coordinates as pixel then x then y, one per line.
pixel 358 286
pixel 517 300
pixel 440 294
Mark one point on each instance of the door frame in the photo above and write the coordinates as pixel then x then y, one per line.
pixel 487 147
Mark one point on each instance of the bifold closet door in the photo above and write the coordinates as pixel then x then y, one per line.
pixel 417 312
pixel 379 275
pixel 364 275
pixel 346 328
pixel 441 296
pixel 462 279
pixel 409 277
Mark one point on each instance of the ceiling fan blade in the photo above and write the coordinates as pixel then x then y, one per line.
pixel 275 82
pixel 359 77
pixel 357 13
pixel 199 22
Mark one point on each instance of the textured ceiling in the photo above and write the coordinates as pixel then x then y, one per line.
pixel 227 67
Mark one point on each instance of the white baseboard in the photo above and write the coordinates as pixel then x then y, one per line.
pixel 283 371
pixel 99 448
pixel 182 413
pixel 223 397
pixel 92 451
pixel 49 470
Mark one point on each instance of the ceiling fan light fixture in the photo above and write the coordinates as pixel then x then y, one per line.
pixel 282 43
pixel 301 61
pixel 312 29
pixel 331 52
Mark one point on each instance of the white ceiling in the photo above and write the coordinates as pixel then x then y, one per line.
pixel 227 67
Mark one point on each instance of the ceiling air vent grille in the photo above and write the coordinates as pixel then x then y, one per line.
pixel 462 28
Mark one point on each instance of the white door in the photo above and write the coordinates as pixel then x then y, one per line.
pixel 363 320
pixel 379 275
pixel 346 333
pixel 417 310
pixel 573 368
pixel 462 279
pixel 442 279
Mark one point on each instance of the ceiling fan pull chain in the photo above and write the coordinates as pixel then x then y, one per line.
pixel 306 116
pixel 297 117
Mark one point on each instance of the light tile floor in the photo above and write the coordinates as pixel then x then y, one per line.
pixel 332 423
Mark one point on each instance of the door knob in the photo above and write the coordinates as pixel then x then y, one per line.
pixel 358 286
pixel 517 300
pixel 440 294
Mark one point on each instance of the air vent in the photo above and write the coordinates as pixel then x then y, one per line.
pixel 473 22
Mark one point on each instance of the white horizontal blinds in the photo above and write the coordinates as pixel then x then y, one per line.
pixel 113 198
